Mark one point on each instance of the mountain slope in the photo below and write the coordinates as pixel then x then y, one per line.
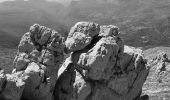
pixel 17 16
pixel 142 22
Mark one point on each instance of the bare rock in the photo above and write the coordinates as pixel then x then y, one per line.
pixel 81 35
pixel 36 65
pixel 82 88
pixel 64 86
pixel 104 68
pixel 25 44
pixel 56 42
pixel 41 35
pixel 97 59
pixel 109 30
pixel 38 85
pixel 44 63
pixel 21 61
pixel 99 67
pixel 13 85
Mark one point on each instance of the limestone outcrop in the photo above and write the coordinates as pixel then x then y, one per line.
pixel 100 66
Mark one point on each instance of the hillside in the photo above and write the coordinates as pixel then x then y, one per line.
pixel 143 23
pixel 17 16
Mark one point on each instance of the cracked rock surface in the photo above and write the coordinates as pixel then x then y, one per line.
pixel 100 66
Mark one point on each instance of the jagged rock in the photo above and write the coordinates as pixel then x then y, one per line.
pixel 40 34
pixel 56 42
pixel 36 65
pixel 21 61
pixel 101 59
pixel 12 85
pixel 34 55
pixel 38 85
pixel 15 86
pixel 104 68
pixel 43 36
pixel 81 35
pixel 25 44
pixel 109 30
pixel 43 69
pixel 99 67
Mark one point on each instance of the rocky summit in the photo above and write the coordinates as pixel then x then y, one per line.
pixel 99 66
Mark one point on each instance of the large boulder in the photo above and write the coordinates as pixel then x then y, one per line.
pixel 103 68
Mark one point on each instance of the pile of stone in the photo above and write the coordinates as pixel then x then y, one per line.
pixel 100 66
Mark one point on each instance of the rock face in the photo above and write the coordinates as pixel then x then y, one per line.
pixel 99 67
pixel 40 52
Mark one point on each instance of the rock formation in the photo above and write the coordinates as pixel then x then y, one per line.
pixel 100 66
pixel 40 52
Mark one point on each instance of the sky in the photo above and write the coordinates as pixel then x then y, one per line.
pixel 5 0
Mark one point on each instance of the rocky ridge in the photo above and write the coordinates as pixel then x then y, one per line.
pixel 99 67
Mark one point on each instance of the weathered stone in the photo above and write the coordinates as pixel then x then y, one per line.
pixel 21 61
pixel 14 86
pixel 119 85
pixel 36 65
pixel 81 88
pixel 109 30
pixel 81 35
pixel 99 67
pixel 64 86
pixel 101 59
pixel 105 68
pixel 25 44
pixel 38 84
pixel 34 55
pixel 56 42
